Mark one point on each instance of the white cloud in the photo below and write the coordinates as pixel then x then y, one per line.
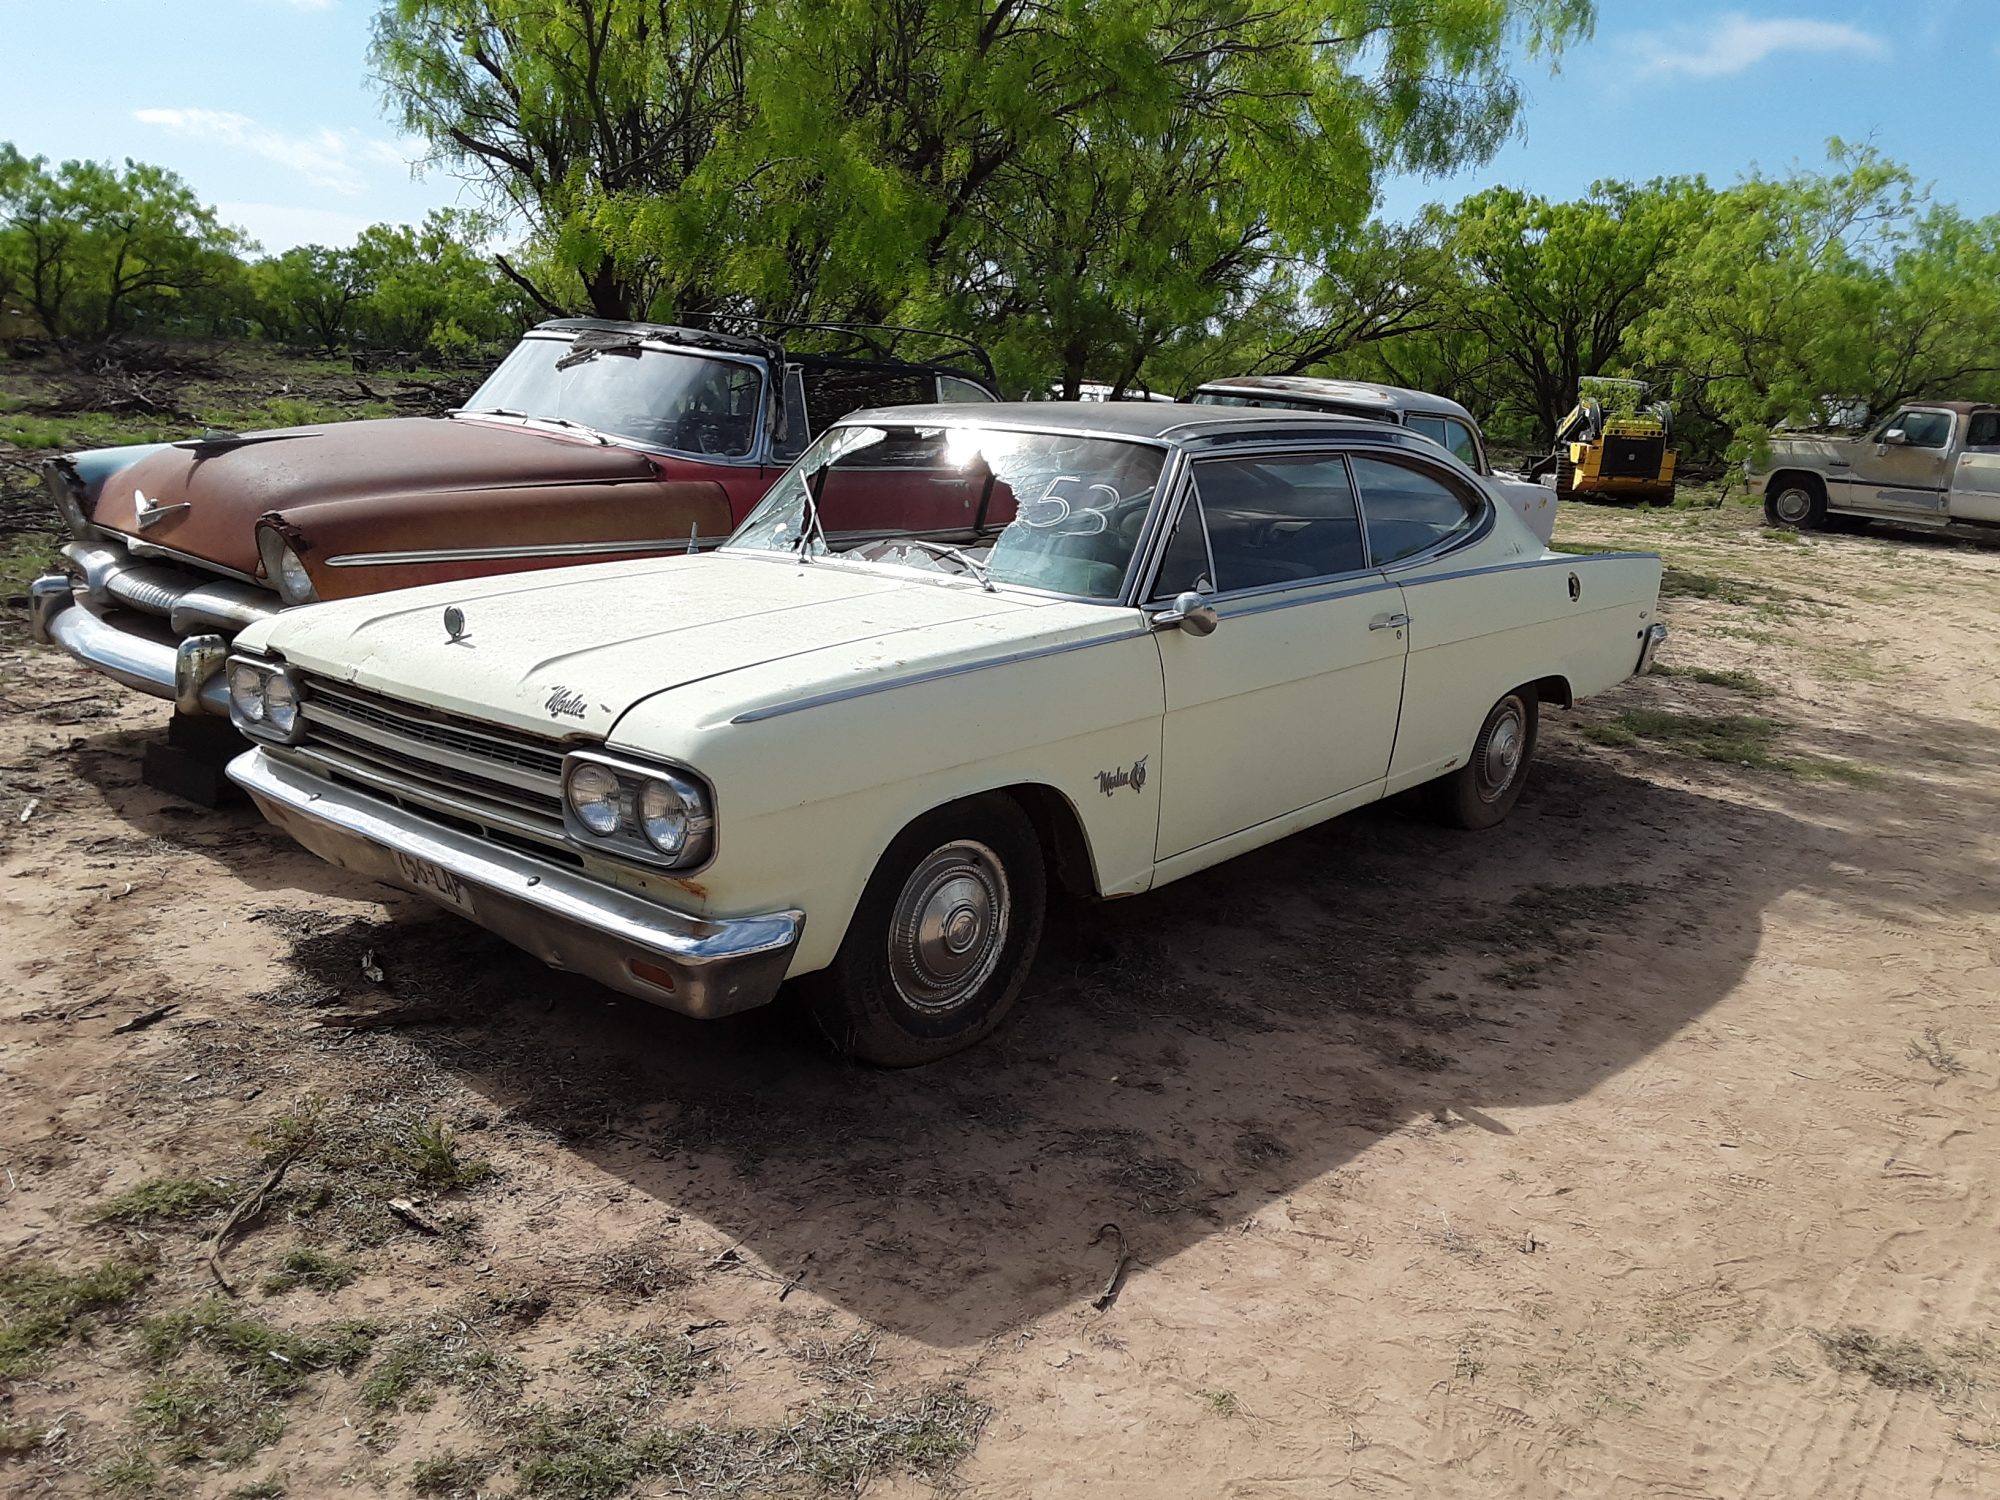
pixel 329 159
pixel 1734 43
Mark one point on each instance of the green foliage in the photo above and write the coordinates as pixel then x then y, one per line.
pixel 165 1199
pixel 92 250
pixel 41 1306
pixel 1085 181
pixel 311 1268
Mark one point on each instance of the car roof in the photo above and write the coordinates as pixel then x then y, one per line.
pixel 1389 398
pixel 1159 421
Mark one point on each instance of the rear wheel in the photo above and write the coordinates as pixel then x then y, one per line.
pixel 1480 793
pixel 942 939
pixel 1796 504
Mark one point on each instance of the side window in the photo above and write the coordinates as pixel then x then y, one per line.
pixel 953 388
pixel 1185 565
pixel 1430 427
pixel 1408 510
pixel 1927 429
pixel 1984 431
pixel 797 426
pixel 1458 437
pixel 1273 521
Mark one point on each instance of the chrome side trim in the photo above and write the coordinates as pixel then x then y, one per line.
pixel 935 674
pixel 1561 559
pixel 566 918
pixel 1376 586
pixel 497 554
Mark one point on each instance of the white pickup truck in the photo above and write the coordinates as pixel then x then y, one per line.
pixel 1934 464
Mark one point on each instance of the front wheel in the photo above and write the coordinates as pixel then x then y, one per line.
pixel 1480 793
pixel 942 939
pixel 1796 506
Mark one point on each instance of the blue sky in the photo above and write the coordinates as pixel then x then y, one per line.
pixel 267 108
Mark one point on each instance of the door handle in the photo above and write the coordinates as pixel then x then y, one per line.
pixel 1388 622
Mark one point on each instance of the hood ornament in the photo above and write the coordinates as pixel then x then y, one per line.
pixel 454 624
pixel 150 512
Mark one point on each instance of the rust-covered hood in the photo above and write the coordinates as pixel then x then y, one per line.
pixel 204 500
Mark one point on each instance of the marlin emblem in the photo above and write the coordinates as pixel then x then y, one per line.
pixel 1109 781
pixel 149 512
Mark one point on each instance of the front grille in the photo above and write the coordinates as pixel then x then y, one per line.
pixel 503 781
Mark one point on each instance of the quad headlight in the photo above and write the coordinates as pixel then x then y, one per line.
pixel 263 699
pixel 658 814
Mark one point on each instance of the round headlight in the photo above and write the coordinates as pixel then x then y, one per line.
pixel 663 816
pixel 294 583
pixel 281 703
pixel 593 797
pixel 246 691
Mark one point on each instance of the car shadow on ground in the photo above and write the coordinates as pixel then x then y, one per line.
pixel 1179 1058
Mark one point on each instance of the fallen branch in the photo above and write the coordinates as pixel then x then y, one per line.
pixel 1109 1295
pixel 247 1208
pixel 415 1217
pixel 149 1018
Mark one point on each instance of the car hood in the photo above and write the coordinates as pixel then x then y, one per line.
pixel 566 653
pixel 205 499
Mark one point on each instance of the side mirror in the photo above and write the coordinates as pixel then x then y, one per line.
pixel 1895 437
pixel 1190 612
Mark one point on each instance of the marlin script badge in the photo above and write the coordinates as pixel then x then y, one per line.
pixel 565 703
pixel 1109 781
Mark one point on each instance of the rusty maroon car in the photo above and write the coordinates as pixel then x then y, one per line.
pixel 591 441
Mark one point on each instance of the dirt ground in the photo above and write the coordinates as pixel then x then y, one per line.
pixel 1646 1146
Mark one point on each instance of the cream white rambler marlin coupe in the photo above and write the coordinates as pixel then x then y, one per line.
pixel 955 655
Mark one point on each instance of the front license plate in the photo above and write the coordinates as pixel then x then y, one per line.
pixel 432 881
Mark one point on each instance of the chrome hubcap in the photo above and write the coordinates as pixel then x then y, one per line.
pixel 1500 754
pixel 949 925
pixel 1794 505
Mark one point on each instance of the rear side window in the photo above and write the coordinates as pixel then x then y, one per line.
pixel 1409 511
pixel 1449 432
pixel 1274 521
pixel 1984 431
pixel 957 388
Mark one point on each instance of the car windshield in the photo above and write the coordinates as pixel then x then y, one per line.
pixel 1045 510
pixel 662 398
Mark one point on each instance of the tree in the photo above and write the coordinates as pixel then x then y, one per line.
pixel 310 293
pixel 94 250
pixel 1845 284
pixel 1027 159
pixel 1552 290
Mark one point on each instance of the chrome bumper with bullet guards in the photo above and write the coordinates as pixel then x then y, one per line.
pixel 700 966
pixel 158 627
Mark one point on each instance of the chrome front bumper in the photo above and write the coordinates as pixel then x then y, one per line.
pixel 186 670
pixel 704 967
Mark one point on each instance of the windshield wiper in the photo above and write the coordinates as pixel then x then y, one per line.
pixel 529 416
pixel 965 560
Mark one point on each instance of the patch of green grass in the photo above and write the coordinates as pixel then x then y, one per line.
pixel 346 1163
pixel 1222 1403
pixel 450 1474
pixel 1779 534
pixel 40 1306
pixel 428 1151
pixel 648 1369
pixel 166 1200
pixel 133 1474
pixel 1732 739
pixel 1732 678
pixel 208 1418
pixel 28 558
pixel 311 1268
pixel 276 1360
pixel 1584 549
pixel 262 1489
pixel 438 1355
pixel 595 1453
pixel 18 1439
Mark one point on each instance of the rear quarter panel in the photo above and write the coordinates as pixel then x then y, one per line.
pixel 1478 630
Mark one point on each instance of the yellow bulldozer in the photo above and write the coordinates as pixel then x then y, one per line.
pixel 1613 445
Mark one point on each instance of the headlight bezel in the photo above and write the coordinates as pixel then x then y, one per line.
pixel 284 569
pixel 250 711
pixel 65 491
pixel 628 838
